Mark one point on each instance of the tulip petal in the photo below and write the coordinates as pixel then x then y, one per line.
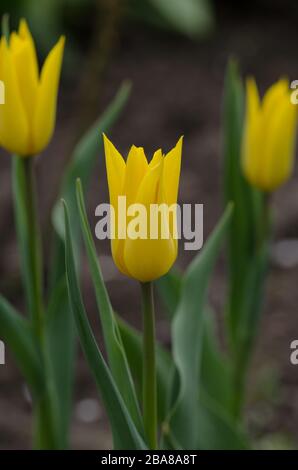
pixel 162 199
pixel 279 157
pixel 273 97
pixel 148 188
pixel 148 259
pixel 136 168
pixel 25 63
pixel 253 99
pixel 45 112
pixel 115 166
pixel 14 130
pixel 156 159
pixel 171 172
pixel 24 33
pixel 135 189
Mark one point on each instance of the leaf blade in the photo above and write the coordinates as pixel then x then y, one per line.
pixel 81 165
pixel 124 431
pixel 187 331
pixel 17 333
pixel 116 352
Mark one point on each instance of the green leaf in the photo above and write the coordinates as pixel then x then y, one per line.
pixel 60 326
pixel 17 333
pixel 247 202
pixel 27 226
pixel 60 332
pixel 218 432
pixel 81 166
pixel 124 432
pixel 169 289
pixel 116 353
pixel 133 344
pixel 216 374
pixel 191 17
pixel 5 26
pixel 256 272
pixel 187 337
pixel 83 160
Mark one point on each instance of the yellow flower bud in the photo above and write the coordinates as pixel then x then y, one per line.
pixel 269 136
pixel 146 184
pixel 27 119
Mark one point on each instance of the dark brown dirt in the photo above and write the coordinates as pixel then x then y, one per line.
pixel 177 89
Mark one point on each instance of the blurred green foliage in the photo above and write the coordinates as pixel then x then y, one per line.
pixel 192 18
pixel 49 18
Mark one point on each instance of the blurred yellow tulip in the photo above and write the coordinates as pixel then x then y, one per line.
pixel 27 119
pixel 269 136
pixel 147 184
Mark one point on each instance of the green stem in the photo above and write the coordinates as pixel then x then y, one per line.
pixel 44 434
pixel 149 366
pixel 239 377
pixel 30 248
pixel 244 347
pixel 34 249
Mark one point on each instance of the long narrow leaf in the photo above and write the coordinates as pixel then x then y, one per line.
pixel 17 333
pixel 242 232
pixel 84 158
pixel 216 373
pixel 81 166
pixel 191 17
pixel 116 353
pixel 187 331
pixel 169 289
pixel 219 432
pixel 132 341
pixel 60 331
pixel 60 326
pixel 124 432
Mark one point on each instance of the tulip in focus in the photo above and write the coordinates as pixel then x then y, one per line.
pixel 146 184
pixel 27 119
pixel 269 136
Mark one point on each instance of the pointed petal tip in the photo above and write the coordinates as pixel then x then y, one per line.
pixel 62 40
pixel 106 141
pixel 135 147
pixel 180 140
pixel 60 44
pixel 23 27
pixel 179 144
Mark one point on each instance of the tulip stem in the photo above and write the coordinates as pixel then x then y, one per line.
pixel 149 366
pixel 34 249
pixel 29 241
pixel 242 355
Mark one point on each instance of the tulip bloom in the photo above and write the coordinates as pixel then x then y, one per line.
pixel 269 136
pixel 143 183
pixel 27 119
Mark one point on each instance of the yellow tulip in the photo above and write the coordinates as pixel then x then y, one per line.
pixel 27 119
pixel 157 182
pixel 269 136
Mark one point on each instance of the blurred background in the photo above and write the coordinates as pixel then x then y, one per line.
pixel 175 53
